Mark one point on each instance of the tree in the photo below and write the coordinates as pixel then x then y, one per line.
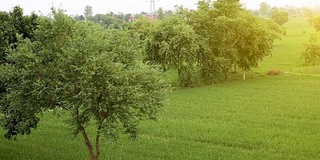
pixel 307 12
pixel 173 45
pixel 280 18
pixel 255 40
pixel 264 8
pixel 160 14
pixel 213 23
pixel 88 12
pixel 311 50
pixel 210 24
pixel 292 12
pixel 273 11
pixel 230 39
pixel 82 69
pixel 316 23
pixel 141 29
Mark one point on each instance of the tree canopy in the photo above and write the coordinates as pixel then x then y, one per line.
pixel 316 23
pixel 233 37
pixel 280 17
pixel 91 73
pixel 264 8
pixel 173 45
pixel 311 50
pixel 12 24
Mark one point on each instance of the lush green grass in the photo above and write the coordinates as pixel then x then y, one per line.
pixel 262 118
pixel 265 117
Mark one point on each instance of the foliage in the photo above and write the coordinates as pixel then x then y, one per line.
pixel 273 11
pixel 316 23
pixel 173 45
pixel 307 12
pixel 280 18
pixel 266 117
pixel 82 68
pixel 311 51
pixel 213 28
pixel 108 20
pixel 232 37
pixel 143 27
pixel 12 24
pixel 141 30
pixel 271 116
pixel 256 37
pixel 227 8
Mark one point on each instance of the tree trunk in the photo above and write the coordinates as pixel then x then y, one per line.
pixel 88 144
pixel 97 142
pixel 244 74
pixel 235 68
pixel 227 74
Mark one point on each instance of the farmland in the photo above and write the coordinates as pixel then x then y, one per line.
pixel 264 117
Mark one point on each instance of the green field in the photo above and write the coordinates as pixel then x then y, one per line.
pixel 264 117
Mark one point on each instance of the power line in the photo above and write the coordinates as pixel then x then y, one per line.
pixel 152 14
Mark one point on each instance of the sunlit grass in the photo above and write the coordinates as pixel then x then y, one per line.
pixel 285 56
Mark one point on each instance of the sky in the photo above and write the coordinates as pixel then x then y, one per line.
pixel 74 7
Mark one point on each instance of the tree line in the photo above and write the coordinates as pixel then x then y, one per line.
pixel 109 73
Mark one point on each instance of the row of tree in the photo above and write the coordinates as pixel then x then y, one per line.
pixel 109 75
pixel 205 44
pixel 266 10
pixel 112 73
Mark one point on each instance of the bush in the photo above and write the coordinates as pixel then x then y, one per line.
pixel 273 72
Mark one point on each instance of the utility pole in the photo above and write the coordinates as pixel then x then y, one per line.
pixel 153 12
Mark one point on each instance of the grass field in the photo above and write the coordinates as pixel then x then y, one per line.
pixel 264 117
pixel 285 56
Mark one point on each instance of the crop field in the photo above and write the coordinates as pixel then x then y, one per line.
pixel 264 117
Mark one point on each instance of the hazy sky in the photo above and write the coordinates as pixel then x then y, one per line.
pixel 126 6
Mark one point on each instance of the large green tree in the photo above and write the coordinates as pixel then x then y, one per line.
pixel 85 70
pixel 233 37
pixel 211 23
pixel 256 37
pixel 173 44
